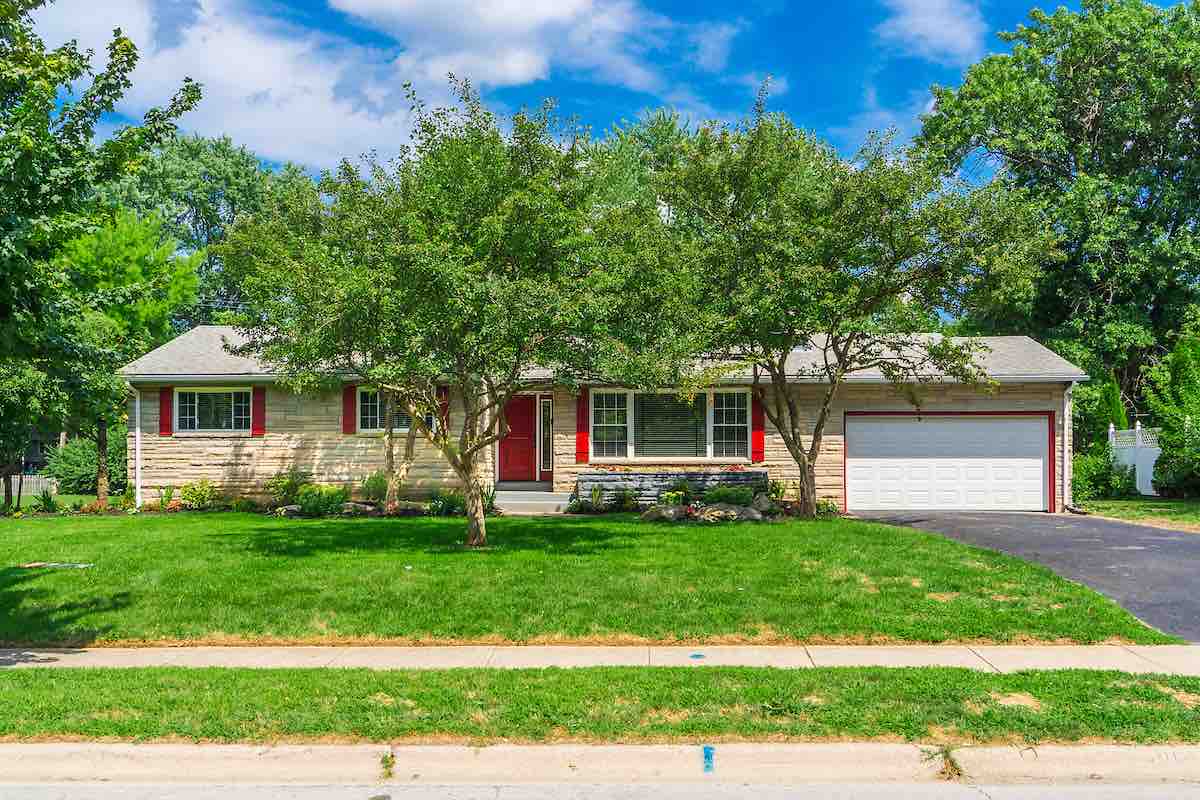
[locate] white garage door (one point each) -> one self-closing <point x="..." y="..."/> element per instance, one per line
<point x="959" y="463"/>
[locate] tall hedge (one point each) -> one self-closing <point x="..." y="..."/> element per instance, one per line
<point x="74" y="464"/>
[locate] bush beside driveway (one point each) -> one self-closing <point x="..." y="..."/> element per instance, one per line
<point x="243" y="578"/>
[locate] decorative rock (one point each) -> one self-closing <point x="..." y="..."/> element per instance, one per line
<point x="665" y="513"/>
<point x="763" y="504"/>
<point x="406" y="508"/>
<point x="288" y="511"/>
<point x="355" y="509"/>
<point x="724" y="512"/>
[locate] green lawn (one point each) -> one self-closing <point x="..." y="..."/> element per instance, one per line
<point x="1179" y="514"/>
<point x="242" y="577"/>
<point x="612" y="704"/>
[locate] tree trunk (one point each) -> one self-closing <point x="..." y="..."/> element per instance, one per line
<point x="808" y="490"/>
<point x="397" y="471"/>
<point x="8" y="495"/>
<point x="101" y="461"/>
<point x="473" y="493"/>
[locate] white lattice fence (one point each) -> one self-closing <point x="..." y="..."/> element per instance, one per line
<point x="1136" y="447"/>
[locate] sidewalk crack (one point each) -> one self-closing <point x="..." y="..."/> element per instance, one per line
<point x="812" y="662"/>
<point x="1153" y="664"/>
<point x="979" y="655"/>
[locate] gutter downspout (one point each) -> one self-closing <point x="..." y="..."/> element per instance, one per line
<point x="1066" y="445"/>
<point x="137" y="446"/>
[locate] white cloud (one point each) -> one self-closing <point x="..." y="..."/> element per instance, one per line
<point x="712" y="42"/>
<point x="298" y="93"/>
<point x="278" y="89"/>
<point x="945" y="31"/>
<point x="904" y="119"/>
<point x="512" y="42"/>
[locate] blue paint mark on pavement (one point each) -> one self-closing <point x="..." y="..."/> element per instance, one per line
<point x="708" y="751"/>
<point x="696" y="656"/>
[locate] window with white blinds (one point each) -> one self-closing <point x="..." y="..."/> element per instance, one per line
<point x="649" y="426"/>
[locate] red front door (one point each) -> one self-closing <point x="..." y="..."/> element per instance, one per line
<point x="518" y="450"/>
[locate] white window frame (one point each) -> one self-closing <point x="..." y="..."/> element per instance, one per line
<point x="629" y="423"/>
<point x="358" y="413"/>
<point x="177" y="430"/>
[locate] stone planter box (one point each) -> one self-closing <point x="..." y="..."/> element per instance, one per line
<point x="648" y="485"/>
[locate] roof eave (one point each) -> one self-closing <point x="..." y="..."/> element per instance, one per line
<point x="252" y="377"/>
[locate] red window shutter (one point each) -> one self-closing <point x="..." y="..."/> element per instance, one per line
<point x="258" y="411"/>
<point x="166" y="409"/>
<point x="758" y="437"/>
<point x="350" y="409"/>
<point x="443" y="397"/>
<point x="581" y="427"/>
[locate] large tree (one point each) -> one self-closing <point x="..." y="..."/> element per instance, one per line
<point x="472" y="259"/>
<point x="50" y="161"/>
<point x="131" y="257"/>
<point x="341" y="313"/>
<point x="199" y="186"/>
<point x="51" y="105"/>
<point x="1097" y="112"/>
<point x="780" y="244"/>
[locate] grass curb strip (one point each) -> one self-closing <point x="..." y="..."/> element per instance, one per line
<point x="935" y="706"/>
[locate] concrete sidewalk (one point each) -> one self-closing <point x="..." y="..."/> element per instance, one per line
<point x="1168" y="659"/>
<point x="759" y="763"/>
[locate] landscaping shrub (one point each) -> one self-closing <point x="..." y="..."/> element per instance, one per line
<point x="732" y="495"/>
<point x="1177" y="470"/>
<point x="374" y="487"/>
<point x="45" y="503"/>
<point x="245" y="505"/>
<point x="627" y="500"/>
<point x="94" y="507"/>
<point x="671" y="498"/>
<point x="828" y="508"/>
<point x="284" y="487"/>
<point x="685" y="491"/>
<point x="74" y="464"/>
<point x="198" y="496"/>
<point x="316" y="500"/>
<point x="447" y="504"/>
<point x="1173" y="394"/>
<point x="1094" y="475"/>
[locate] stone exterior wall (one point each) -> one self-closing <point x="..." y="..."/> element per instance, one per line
<point x="830" y="477"/>
<point x="306" y="432"/>
<point x="301" y="431"/>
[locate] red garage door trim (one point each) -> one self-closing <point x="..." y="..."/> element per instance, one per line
<point x="1051" y="466"/>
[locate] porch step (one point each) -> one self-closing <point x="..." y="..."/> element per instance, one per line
<point x="526" y="502"/>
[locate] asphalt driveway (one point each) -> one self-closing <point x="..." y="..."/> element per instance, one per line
<point x="1152" y="572"/>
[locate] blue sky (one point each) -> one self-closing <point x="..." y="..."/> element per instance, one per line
<point x="313" y="81"/>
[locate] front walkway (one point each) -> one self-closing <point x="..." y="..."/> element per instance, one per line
<point x="1169" y="659"/>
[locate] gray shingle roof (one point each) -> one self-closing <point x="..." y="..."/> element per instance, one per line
<point x="202" y="354"/>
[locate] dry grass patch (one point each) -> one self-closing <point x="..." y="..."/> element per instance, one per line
<point x="1187" y="699"/>
<point x="1017" y="700"/>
